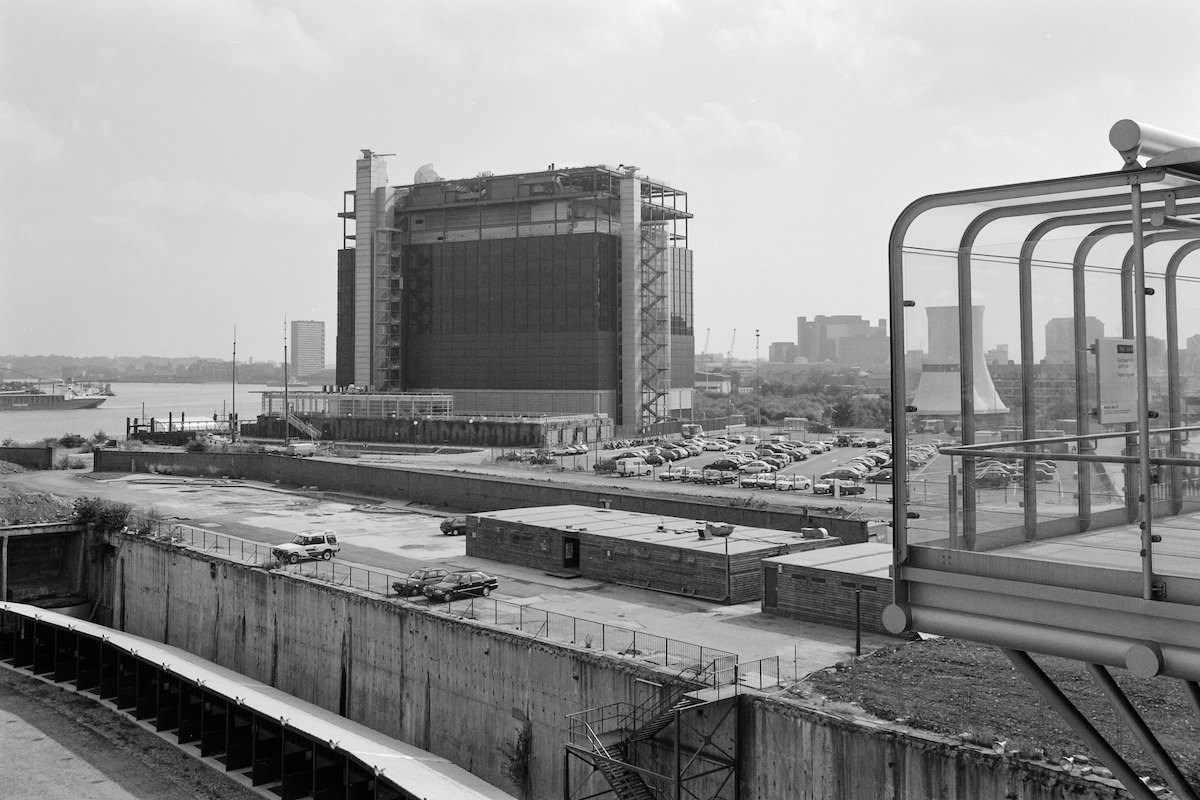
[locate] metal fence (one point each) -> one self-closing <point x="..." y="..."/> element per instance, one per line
<point x="537" y="622"/>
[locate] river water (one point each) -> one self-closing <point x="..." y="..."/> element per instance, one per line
<point x="136" y="400"/>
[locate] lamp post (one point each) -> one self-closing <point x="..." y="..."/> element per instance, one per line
<point x="757" y="382"/>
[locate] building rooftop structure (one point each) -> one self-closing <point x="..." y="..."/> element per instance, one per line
<point x="1087" y="546"/>
<point x="635" y="527"/>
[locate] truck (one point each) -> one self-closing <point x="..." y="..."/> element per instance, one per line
<point x="692" y="430"/>
<point x="633" y="466"/>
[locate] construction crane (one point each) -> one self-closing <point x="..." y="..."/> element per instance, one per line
<point x="732" y="339"/>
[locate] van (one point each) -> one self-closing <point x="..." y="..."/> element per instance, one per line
<point x="300" y="449"/>
<point x="633" y="466"/>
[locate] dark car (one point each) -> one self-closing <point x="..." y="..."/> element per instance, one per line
<point x="416" y="581"/>
<point x="460" y="584"/>
<point x="454" y="526"/>
<point x="883" y="476"/>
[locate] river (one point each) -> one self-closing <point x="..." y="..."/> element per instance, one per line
<point x="137" y="400"/>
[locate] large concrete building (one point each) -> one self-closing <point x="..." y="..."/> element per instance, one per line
<point x="564" y="291"/>
<point x="308" y="347"/>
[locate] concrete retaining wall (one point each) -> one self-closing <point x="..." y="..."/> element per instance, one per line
<point x="446" y="685"/>
<point x="465" y="691"/>
<point x="803" y="754"/>
<point x="458" y="490"/>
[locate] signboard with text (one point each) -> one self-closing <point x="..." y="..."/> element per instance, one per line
<point x="1116" y="368"/>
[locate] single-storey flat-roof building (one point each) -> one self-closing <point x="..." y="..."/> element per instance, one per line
<point x="820" y="586"/>
<point x="667" y="554"/>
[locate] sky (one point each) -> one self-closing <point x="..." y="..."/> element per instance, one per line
<point x="171" y="171"/>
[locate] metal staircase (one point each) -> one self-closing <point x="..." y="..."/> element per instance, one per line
<point x="613" y="734"/>
<point x="655" y="324"/>
<point x="663" y="718"/>
<point x="625" y="782"/>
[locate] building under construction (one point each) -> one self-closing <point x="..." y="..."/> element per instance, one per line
<point x="561" y="291"/>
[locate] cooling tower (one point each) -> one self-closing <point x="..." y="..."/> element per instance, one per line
<point x="938" y="391"/>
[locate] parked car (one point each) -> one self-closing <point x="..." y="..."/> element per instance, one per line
<point x="792" y="483"/>
<point x="460" y="584"/>
<point x="725" y="464"/>
<point x="842" y="473"/>
<point x="993" y="480"/>
<point x="454" y="526"/>
<point x="720" y="476"/>
<point x="690" y="475"/>
<point x="716" y="446"/>
<point x="883" y="476"/>
<point x="755" y="467"/>
<point x="417" y="580"/>
<point x="827" y="486"/>
<point x="307" y="545"/>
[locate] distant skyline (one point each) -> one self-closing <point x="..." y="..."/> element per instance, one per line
<point x="170" y="170"/>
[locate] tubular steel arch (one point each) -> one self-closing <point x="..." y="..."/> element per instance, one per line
<point x="1097" y="582"/>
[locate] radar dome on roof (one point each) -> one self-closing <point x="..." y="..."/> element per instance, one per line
<point x="426" y="174"/>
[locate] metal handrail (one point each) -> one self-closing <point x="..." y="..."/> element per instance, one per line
<point x="631" y="642"/>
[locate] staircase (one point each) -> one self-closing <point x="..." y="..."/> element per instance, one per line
<point x="663" y="718"/>
<point x="626" y="783"/>
<point x="302" y="426"/>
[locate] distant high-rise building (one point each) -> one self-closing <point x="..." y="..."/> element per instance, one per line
<point x="782" y="353"/>
<point x="842" y="339"/>
<point x="997" y="355"/>
<point x="307" y="355"/>
<point x="1060" y="338"/>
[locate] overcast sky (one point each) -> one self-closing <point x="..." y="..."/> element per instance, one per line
<point x="171" y="170"/>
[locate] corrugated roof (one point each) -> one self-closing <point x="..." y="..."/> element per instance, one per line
<point x="417" y="771"/>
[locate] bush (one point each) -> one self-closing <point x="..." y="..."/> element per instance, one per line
<point x="606" y="466"/>
<point x="196" y="446"/>
<point x="71" y="440"/>
<point x="101" y="515"/>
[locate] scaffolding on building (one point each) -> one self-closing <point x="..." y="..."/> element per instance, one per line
<point x="388" y="283"/>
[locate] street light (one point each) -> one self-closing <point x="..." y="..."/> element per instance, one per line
<point x="757" y="382"/>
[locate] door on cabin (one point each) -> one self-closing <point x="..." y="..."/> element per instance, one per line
<point x="570" y="553"/>
<point x="770" y="587"/>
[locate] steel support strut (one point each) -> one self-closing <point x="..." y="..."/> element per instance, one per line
<point x="1126" y="712"/>
<point x="1079" y="724"/>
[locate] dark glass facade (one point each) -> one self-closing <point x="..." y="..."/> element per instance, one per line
<point x="539" y="312"/>
<point x="683" y="335"/>
<point x="344" y="343"/>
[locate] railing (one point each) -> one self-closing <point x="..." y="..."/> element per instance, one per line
<point x="535" y="622"/>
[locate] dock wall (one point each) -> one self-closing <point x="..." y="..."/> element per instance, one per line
<point x="466" y="691"/>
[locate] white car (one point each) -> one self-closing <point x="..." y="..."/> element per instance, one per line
<point x="306" y="545"/>
<point x="715" y="446"/>
<point x="793" y="483"/>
